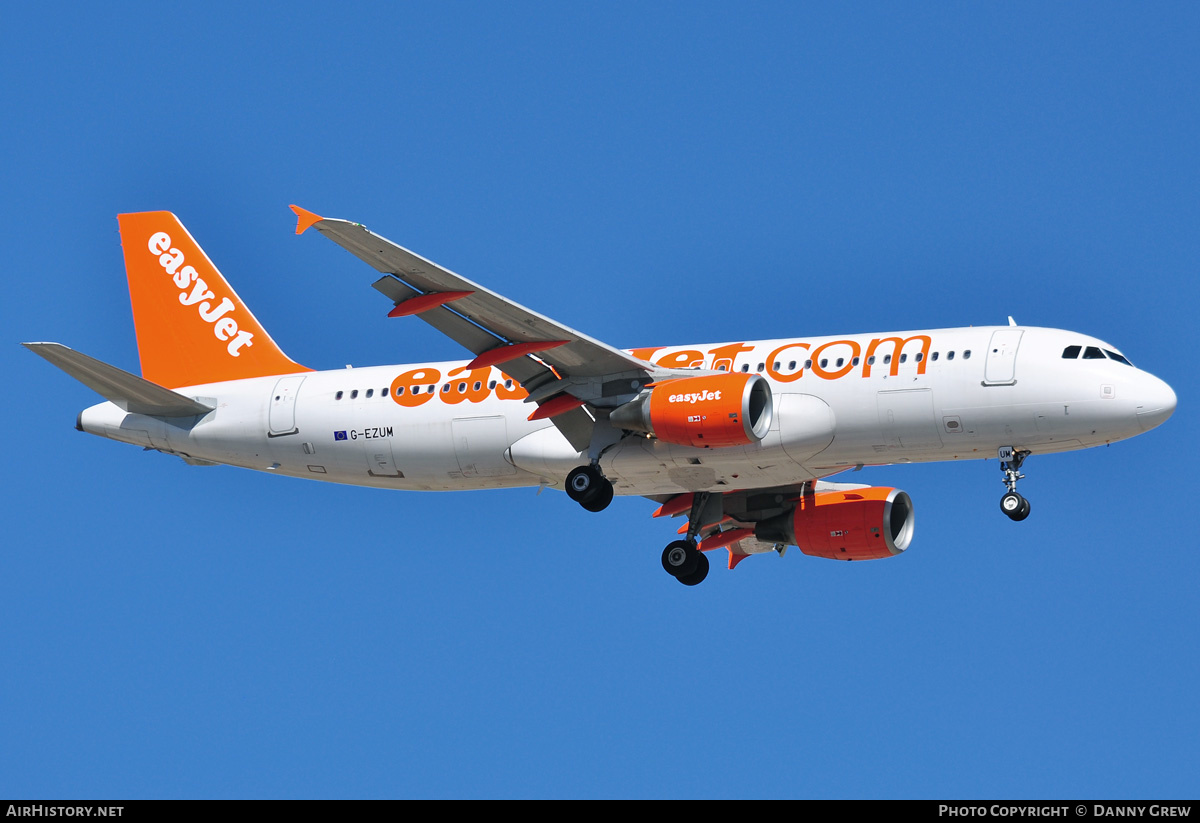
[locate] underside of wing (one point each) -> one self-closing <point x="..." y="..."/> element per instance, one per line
<point x="731" y="520"/>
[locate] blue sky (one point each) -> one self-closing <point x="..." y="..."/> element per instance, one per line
<point x="648" y="174"/>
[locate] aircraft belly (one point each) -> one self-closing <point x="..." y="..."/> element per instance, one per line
<point x="646" y="466"/>
<point x="479" y="446"/>
<point x="907" y="421"/>
<point x="806" y="425"/>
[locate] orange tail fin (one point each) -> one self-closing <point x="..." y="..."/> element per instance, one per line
<point x="191" y="326"/>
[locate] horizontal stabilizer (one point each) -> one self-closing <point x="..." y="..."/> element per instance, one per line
<point x="132" y="393"/>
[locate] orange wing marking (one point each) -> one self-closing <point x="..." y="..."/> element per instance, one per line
<point x="561" y="404"/>
<point x="677" y="504"/>
<point x="502" y="354"/>
<point x="723" y="539"/>
<point x="305" y="219"/>
<point x="425" y="302"/>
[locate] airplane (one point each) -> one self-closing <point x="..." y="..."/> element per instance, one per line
<point x="737" y="438"/>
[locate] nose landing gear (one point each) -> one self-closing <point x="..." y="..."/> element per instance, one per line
<point x="1013" y="504"/>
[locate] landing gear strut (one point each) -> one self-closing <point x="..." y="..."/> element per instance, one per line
<point x="682" y="559"/>
<point x="1013" y="504"/>
<point x="589" y="488"/>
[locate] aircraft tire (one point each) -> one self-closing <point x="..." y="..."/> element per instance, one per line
<point x="582" y="482"/>
<point x="1011" y="504"/>
<point x="1022" y="512"/>
<point x="600" y="497"/>
<point x="680" y="558"/>
<point x="701" y="572"/>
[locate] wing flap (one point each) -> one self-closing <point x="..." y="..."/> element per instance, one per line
<point x="575" y="425"/>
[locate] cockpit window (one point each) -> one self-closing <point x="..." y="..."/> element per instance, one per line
<point x="1093" y="353"/>
<point x="1071" y="352"/>
<point x="1112" y="355"/>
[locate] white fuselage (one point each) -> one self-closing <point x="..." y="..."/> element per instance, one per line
<point x="839" y="402"/>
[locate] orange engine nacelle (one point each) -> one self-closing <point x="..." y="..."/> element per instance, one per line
<point x="706" y="412"/>
<point x="853" y="524"/>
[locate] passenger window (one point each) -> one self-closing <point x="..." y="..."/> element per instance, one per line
<point x="370" y="392"/>
<point x="920" y="356"/>
<point x="950" y="356"/>
<point x="854" y="362"/>
<point x="824" y="362"/>
<point x="840" y="361"/>
<point x="354" y="394"/>
<point x="792" y="366"/>
<point x="887" y="358"/>
<point x="508" y="384"/>
<point x="808" y="364"/>
<point x="1071" y="352"/>
<point x="761" y="366"/>
<point x="721" y="367"/>
<point x="338" y="396"/>
<point x="399" y="390"/>
<point x="1092" y="353"/>
<point x="477" y="385"/>
<point x="933" y="356"/>
<point x="445" y="388"/>
<point x="871" y="360"/>
<point x="430" y="389"/>
<point x="491" y="384"/>
<point x="416" y="389"/>
<point x="383" y="392"/>
<point x="776" y="365"/>
<point x="745" y="367"/>
<point x="967" y="354"/>
<point x="462" y="387"/>
<point x="903" y="358"/>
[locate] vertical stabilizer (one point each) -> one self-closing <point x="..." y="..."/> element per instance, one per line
<point x="191" y="326"/>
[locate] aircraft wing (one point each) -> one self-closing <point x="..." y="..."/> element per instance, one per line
<point x="497" y="330"/>
<point x="730" y="523"/>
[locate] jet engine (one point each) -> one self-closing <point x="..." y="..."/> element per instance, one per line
<point x="849" y="524"/>
<point x="706" y="412"/>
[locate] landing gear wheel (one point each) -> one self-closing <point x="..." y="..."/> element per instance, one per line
<point x="1015" y="506"/>
<point x="681" y="559"/>
<point x="589" y="488"/>
<point x="581" y="482"/>
<point x="699" y="574"/>
<point x="1024" y="512"/>
<point x="602" y="495"/>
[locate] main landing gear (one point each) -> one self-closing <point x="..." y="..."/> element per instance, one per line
<point x="1013" y="504"/>
<point x="589" y="488"/>
<point x="685" y="562"/>
<point x="681" y="558"/>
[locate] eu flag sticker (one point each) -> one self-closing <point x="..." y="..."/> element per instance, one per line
<point x="339" y="435"/>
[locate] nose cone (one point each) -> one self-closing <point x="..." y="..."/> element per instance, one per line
<point x="1156" y="402"/>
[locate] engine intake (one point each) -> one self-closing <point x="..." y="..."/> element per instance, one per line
<point x="707" y="412"/>
<point x="859" y="524"/>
